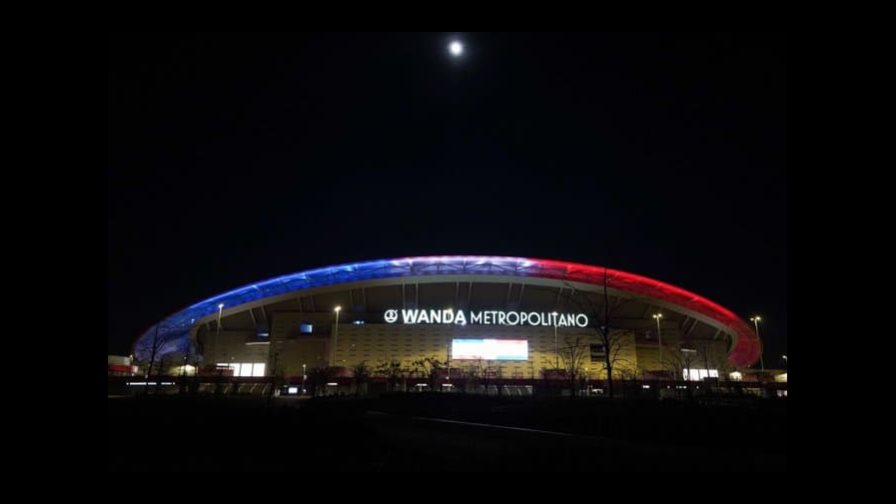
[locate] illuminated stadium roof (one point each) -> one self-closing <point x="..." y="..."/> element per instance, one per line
<point x="176" y="328"/>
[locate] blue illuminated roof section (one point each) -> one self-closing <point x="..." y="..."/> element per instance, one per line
<point x="176" y="328"/>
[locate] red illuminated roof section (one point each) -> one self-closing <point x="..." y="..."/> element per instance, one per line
<point x="747" y="347"/>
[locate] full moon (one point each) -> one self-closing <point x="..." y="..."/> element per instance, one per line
<point x="456" y="48"/>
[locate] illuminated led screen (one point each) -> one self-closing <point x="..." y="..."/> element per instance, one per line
<point x="489" y="349"/>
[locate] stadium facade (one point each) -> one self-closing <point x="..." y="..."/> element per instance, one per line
<point x="509" y="317"/>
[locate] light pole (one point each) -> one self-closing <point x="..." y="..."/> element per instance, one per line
<point x="220" y="311"/>
<point x="304" y="376"/>
<point x="556" y="350"/>
<point x="336" y="334"/>
<point x="448" y="356"/>
<point x="755" y="320"/>
<point x="659" y="335"/>
<point x="785" y="361"/>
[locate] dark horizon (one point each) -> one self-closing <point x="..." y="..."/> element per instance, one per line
<point x="235" y="158"/>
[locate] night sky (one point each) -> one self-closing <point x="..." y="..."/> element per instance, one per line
<point x="235" y="158"/>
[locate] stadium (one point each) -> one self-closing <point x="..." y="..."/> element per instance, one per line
<point x="452" y="323"/>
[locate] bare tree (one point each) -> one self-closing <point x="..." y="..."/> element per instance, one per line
<point x="484" y="373"/>
<point x="716" y="357"/>
<point x="675" y="362"/>
<point x="682" y="362"/>
<point x="191" y="358"/>
<point x="428" y="368"/>
<point x="615" y="344"/>
<point x="276" y="374"/>
<point x="612" y="341"/>
<point x="361" y="373"/>
<point x="392" y="370"/>
<point x="608" y="341"/>
<point x="473" y="375"/>
<point x="162" y="372"/>
<point x="573" y="357"/>
<point x="148" y="351"/>
<point x="318" y="377"/>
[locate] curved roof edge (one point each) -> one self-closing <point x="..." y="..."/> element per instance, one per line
<point x="745" y="352"/>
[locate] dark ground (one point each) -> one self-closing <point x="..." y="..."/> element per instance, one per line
<point x="424" y="432"/>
